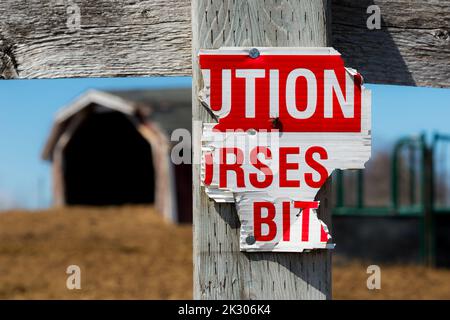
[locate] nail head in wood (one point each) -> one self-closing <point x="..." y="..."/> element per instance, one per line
<point x="253" y="53"/>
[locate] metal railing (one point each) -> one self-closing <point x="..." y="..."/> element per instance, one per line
<point x="414" y="158"/>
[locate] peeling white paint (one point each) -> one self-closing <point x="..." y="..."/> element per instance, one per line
<point x="345" y="150"/>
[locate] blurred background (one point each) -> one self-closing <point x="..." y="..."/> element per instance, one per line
<point x="86" y="179"/>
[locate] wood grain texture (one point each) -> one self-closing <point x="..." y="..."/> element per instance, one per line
<point x="411" y="48"/>
<point x="116" y="38"/>
<point x="221" y="271"/>
<point x="153" y="37"/>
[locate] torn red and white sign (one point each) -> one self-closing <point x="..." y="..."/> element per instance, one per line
<point x="286" y="118"/>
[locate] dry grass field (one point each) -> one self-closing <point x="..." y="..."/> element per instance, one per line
<point x="123" y="253"/>
<point x="130" y="253"/>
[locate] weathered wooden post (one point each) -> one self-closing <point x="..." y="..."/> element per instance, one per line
<point x="221" y="271"/>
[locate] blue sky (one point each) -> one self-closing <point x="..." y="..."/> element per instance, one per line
<point x="27" y="111"/>
<point x="28" y="108"/>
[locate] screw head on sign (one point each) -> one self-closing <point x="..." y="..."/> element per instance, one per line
<point x="250" y="240"/>
<point x="251" y="132"/>
<point x="253" y="53"/>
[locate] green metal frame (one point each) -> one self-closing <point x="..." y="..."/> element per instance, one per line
<point x="422" y="207"/>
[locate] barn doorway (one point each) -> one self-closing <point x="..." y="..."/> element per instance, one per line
<point x="108" y="162"/>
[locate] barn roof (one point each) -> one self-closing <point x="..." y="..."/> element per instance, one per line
<point x="168" y="108"/>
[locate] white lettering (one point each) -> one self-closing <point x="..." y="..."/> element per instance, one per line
<point x="250" y="76"/>
<point x="332" y="85"/>
<point x="311" y="95"/>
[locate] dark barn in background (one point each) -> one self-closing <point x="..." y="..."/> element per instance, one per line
<point x="114" y="148"/>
